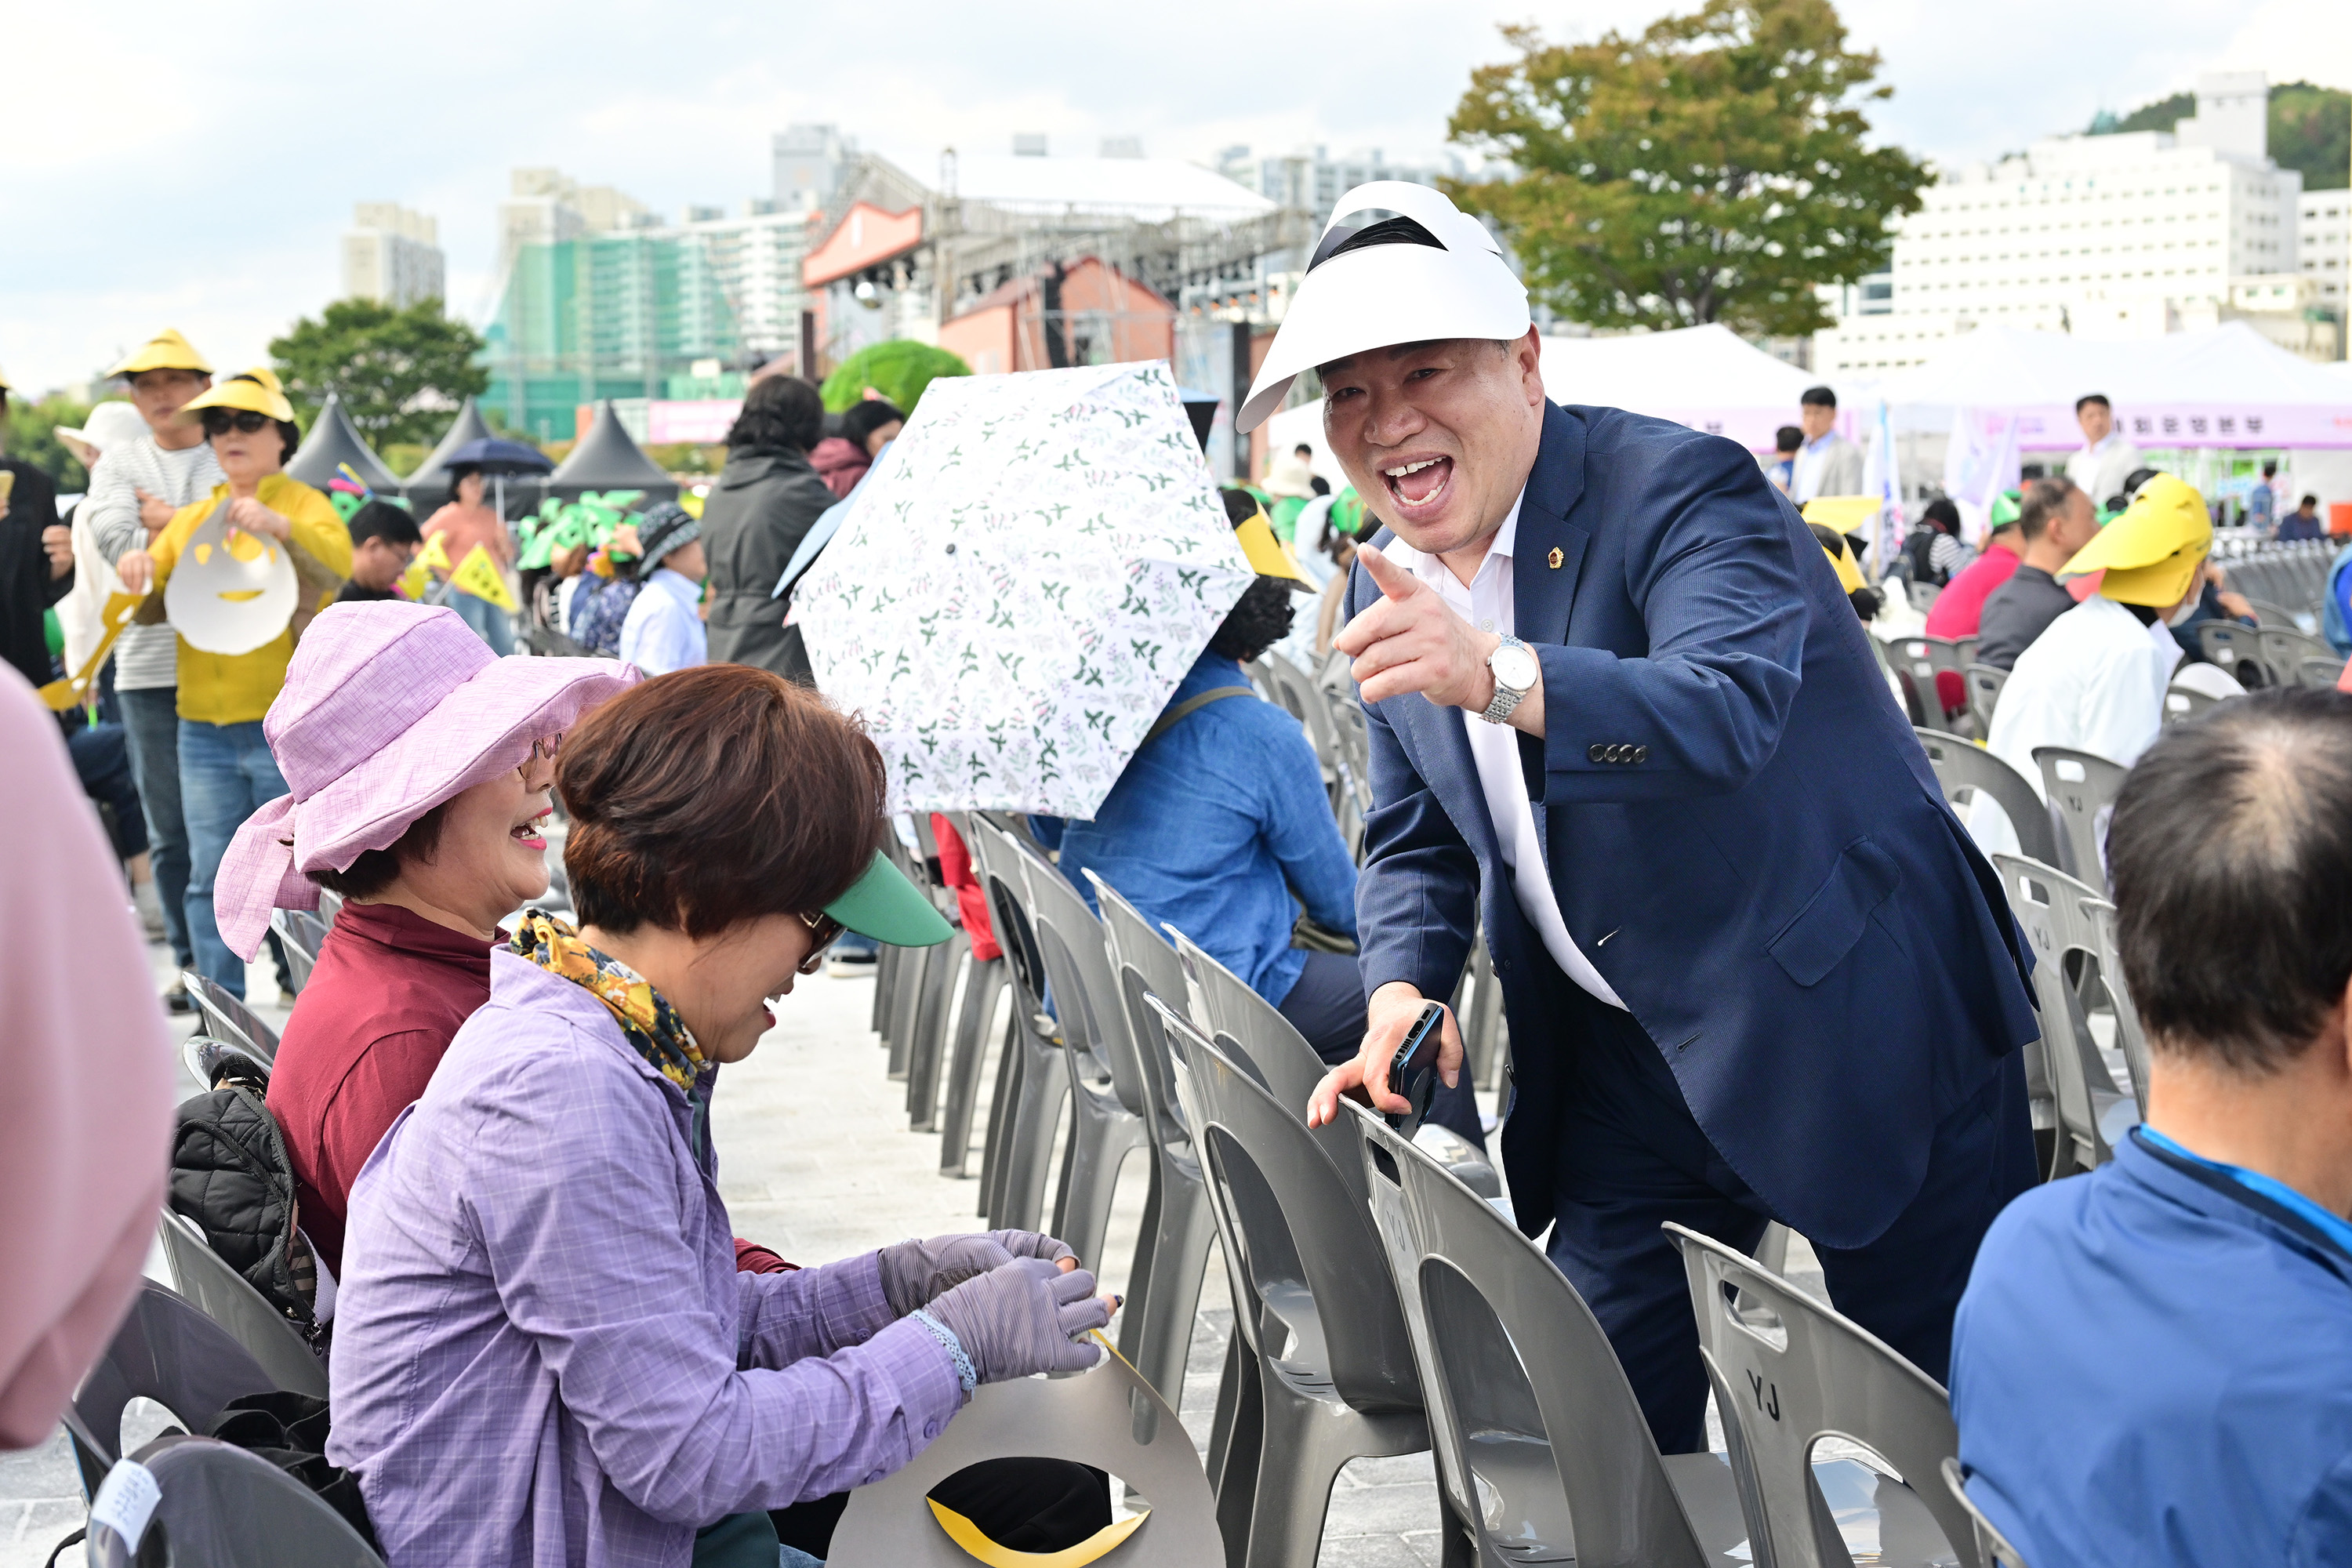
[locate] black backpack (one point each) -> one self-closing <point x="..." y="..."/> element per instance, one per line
<point x="231" y="1176"/>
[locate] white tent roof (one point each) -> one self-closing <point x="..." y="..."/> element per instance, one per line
<point x="1705" y="377"/>
<point x="2226" y="386"/>
<point x="1149" y="189"/>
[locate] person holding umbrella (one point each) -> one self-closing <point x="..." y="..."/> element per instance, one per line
<point x="1618" y="706"/>
<point x="466" y="522"/>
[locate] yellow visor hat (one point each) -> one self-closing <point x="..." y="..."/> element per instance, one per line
<point x="255" y="391"/>
<point x="167" y="350"/>
<point x="1265" y="553"/>
<point x="2151" y="552"/>
<point x="1849" y="575"/>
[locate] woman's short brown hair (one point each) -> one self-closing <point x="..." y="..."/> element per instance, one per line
<point x="715" y="796"/>
<point x="377" y="869"/>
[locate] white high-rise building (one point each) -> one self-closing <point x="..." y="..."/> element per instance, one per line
<point x="756" y="259"/>
<point x="393" y="256"/>
<point x="2323" y="247"/>
<point x="1312" y="180"/>
<point x="2107" y="236"/>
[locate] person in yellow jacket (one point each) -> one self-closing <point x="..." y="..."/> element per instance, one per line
<point x="226" y="769"/>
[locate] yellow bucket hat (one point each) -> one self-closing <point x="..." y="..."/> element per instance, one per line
<point x="1849" y="575"/>
<point x="1265" y="553"/>
<point x="255" y="391"/>
<point x="167" y="350"/>
<point x="2152" y="549"/>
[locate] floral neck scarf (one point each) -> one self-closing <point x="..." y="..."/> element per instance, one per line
<point x="646" y="1016"/>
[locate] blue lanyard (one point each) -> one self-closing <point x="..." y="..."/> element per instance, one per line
<point x="2332" y="1226"/>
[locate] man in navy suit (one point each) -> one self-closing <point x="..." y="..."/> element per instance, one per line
<point x="1620" y="709"/>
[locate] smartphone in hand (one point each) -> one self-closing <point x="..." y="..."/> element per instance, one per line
<point x="1413" y="1071"/>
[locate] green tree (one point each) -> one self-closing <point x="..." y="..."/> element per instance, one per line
<point x="2310" y="129"/>
<point x="1715" y="168"/>
<point x="399" y="373"/>
<point x="31" y="437"/>
<point x="899" y="370"/>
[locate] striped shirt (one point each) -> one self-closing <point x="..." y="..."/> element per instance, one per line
<point x="146" y="657"/>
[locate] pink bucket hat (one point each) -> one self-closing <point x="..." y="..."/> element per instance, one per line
<point x="389" y="709"/>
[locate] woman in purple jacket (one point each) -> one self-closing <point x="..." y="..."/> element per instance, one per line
<point x="544" y="1354"/>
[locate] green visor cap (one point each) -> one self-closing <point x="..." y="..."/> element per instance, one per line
<point x="884" y="905"/>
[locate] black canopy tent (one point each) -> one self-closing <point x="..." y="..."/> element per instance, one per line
<point x="428" y="487"/>
<point x="607" y="459"/>
<point x="331" y="443"/>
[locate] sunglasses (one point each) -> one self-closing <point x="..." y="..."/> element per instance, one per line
<point x="218" y="421"/>
<point x="541" y="750"/>
<point x="824" y="932"/>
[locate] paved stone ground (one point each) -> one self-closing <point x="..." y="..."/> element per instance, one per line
<point x="817" y="1163"/>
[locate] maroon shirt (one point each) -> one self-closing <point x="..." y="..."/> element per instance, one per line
<point x="386" y="996"/>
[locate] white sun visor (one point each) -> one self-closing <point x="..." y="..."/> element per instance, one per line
<point x="1398" y="263"/>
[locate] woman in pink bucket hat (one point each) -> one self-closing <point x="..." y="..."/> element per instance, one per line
<point x="420" y="765"/>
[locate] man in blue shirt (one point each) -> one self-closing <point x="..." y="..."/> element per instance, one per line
<point x="2153" y="1362"/>
<point x="1219" y="827"/>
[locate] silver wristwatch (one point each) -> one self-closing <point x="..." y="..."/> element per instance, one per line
<point x="1516" y="674"/>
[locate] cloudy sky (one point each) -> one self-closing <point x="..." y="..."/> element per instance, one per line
<point x="194" y="165"/>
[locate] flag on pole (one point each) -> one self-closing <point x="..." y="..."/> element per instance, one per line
<point x="1981" y="463"/>
<point x="413" y="582"/>
<point x="480" y="576"/>
<point x="434" y="553"/>
<point x="1882" y="480"/>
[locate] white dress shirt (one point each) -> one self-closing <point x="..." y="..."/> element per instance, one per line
<point x="1486" y="604"/>
<point x="2100" y="472"/>
<point x="1805" y="474"/>
<point x="2094" y="682"/>
<point x="664" y="630"/>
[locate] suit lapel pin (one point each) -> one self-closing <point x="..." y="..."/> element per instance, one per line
<point x="1553" y="559"/>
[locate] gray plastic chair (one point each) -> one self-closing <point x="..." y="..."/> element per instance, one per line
<point x="204" y="1056"/>
<point x="1320" y="1371"/>
<point x="1913" y="664"/>
<point x="1031" y="1077"/>
<point x="1963" y="767"/>
<point x="2284" y="647"/>
<point x="2129" y="1037"/>
<point x="2185" y="702"/>
<point x="299" y="933"/>
<point x="2237" y="648"/>
<point x="1106" y="1105"/>
<point x="2322" y="673"/>
<point x="1482" y="1021"/>
<point x="1992" y="1546"/>
<point x="910" y="975"/>
<point x="166" y="1351"/>
<point x="1985" y="681"/>
<point x="1264" y="1044"/>
<point x="229" y="1020"/>
<point x="2081" y="788"/>
<point x="1172" y="1255"/>
<point x="1952" y="657"/>
<point x="984" y="982"/>
<point x="216" y="1506"/>
<point x="2091" y="1113"/>
<point x="1789" y="1372"/>
<point x="1923" y="595"/>
<point x="1109" y="1417"/>
<point x="926" y="1038"/>
<point x="203" y="1277"/>
<point x="1543" y="1453"/>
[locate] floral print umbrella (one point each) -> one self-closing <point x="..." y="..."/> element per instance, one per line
<point x="1032" y="567"/>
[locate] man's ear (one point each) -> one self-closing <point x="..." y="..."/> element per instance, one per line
<point x="1529" y="351"/>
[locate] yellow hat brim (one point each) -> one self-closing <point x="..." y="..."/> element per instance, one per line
<point x="2166" y="520"/>
<point x="250" y="396"/>
<point x="2159" y="586"/>
<point x="1844" y="514"/>
<point x="1265" y="553"/>
<point x="164" y="350"/>
<point x="1849" y="575"/>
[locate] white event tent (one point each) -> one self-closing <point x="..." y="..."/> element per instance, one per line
<point x="2226" y="386"/>
<point x="1705" y="377"/>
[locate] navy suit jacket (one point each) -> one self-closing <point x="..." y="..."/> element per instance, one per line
<point x="1776" y="887"/>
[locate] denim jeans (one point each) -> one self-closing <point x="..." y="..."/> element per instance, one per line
<point x="226" y="774"/>
<point x="151" y="726"/>
<point x="492" y="624"/>
<point x="101" y="759"/>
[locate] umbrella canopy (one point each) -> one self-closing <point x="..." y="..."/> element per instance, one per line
<point x="493" y="456"/>
<point x="606" y="459"/>
<point x="1036" y="562"/>
<point x="332" y="445"/>
<point x="430" y="482"/>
